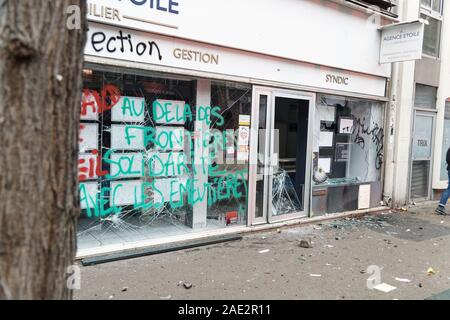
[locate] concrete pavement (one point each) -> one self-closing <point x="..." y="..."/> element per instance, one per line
<point x="401" y="245"/>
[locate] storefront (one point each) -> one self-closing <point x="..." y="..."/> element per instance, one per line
<point x="186" y="134"/>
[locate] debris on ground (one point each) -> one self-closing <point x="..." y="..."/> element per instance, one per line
<point x="306" y="243"/>
<point x="166" y="298"/>
<point x="315" y="275"/>
<point x="402" y="280"/>
<point x="264" y="251"/>
<point x="431" y="271"/>
<point x="384" y="287"/>
<point x="187" y="285"/>
<point x="124" y="289"/>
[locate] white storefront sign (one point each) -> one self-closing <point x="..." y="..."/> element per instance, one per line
<point x="402" y="42"/>
<point x="130" y="45"/>
<point x="311" y="31"/>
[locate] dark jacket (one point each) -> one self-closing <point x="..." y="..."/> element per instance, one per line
<point x="448" y="159"/>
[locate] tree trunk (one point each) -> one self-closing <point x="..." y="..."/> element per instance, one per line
<point x="40" y="89"/>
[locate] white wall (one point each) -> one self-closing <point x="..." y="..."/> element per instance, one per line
<point x="401" y="107"/>
<point x="230" y="62"/>
<point x="319" y="32"/>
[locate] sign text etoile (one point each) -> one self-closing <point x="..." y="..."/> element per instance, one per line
<point x="171" y="6"/>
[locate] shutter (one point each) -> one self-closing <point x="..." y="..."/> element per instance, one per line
<point x="420" y="179"/>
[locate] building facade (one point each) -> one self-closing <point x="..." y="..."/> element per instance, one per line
<point x="212" y="117"/>
<point x="419" y="111"/>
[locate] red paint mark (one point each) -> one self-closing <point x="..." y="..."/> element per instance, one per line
<point x="82" y="127"/>
<point x="82" y="170"/>
<point x="92" y="169"/>
<point x="104" y="101"/>
<point x="99" y="171"/>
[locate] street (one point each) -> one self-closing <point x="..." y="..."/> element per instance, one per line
<point x="410" y="249"/>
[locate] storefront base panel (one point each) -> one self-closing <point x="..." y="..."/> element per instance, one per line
<point x="205" y="234"/>
<point x="345" y="198"/>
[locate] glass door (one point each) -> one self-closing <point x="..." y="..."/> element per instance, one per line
<point x="422" y="155"/>
<point x="280" y="165"/>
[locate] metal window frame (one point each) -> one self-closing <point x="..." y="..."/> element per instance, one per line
<point x="430" y="11"/>
<point x="440" y="20"/>
<point x="272" y="94"/>
<point x="433" y="114"/>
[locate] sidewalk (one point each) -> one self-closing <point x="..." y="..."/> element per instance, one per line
<point x="272" y="265"/>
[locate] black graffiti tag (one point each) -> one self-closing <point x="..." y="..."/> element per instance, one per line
<point x="375" y="133"/>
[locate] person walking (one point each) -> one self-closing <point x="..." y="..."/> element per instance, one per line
<point x="444" y="198"/>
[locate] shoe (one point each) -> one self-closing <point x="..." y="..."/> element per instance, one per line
<point x="440" y="211"/>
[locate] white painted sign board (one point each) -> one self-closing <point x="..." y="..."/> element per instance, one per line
<point x="129" y="109"/>
<point x="163" y="51"/>
<point x="342" y="38"/>
<point x="402" y="42"/>
<point x="88" y="137"/>
<point x="120" y="133"/>
<point x="127" y="165"/>
<point x="125" y="193"/>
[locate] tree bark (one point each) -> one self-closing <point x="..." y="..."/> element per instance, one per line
<point x="41" y="64"/>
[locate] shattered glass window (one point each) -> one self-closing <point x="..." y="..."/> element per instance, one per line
<point x="149" y="165"/>
<point x="348" y="140"/>
<point x="348" y="147"/>
<point x="229" y="152"/>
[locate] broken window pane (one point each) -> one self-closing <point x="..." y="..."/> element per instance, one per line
<point x="140" y="176"/>
<point x="348" y="153"/>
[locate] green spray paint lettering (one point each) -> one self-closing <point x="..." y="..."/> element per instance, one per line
<point x="145" y="202"/>
<point x="164" y="140"/>
<point x="86" y="200"/>
<point x="124" y="165"/>
<point x="173" y="164"/>
<point x="210" y="115"/>
<point x="98" y="204"/>
<point x="168" y="113"/>
<point x="129" y="107"/>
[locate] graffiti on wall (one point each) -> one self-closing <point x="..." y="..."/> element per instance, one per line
<point x="375" y="133"/>
<point x="165" y="157"/>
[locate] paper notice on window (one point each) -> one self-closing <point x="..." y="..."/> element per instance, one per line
<point x="88" y="140"/>
<point x="243" y="153"/>
<point x="364" y="197"/>
<point x="325" y="164"/>
<point x="244" y="120"/>
<point x="244" y="136"/>
<point x="326" y="139"/>
<point x="346" y="126"/>
<point x="326" y="113"/>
